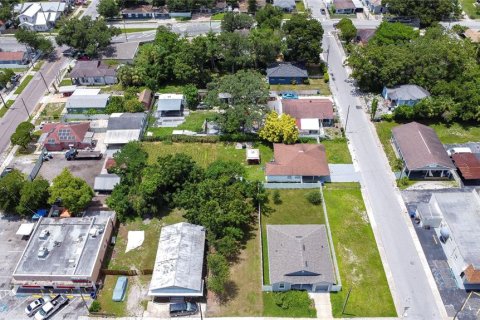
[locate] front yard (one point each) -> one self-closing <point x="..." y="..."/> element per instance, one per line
<point x="139" y="259"/>
<point x="470" y="8"/>
<point x="315" y="84"/>
<point x="337" y="150"/>
<point x="358" y="258"/>
<point x="206" y="153"/>
<point x="51" y="112"/>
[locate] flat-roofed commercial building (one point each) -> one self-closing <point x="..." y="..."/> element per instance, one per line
<point x="65" y="253"/>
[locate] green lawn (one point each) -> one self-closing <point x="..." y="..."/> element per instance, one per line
<point x="358" y="258"/>
<point x="218" y="16"/>
<point x="3" y="110"/>
<point x="337" y="150"/>
<point x="132" y="30"/>
<point x="170" y="88"/>
<point x="206" y="153"/>
<point x="193" y="122"/>
<point x="299" y="305"/>
<point x="470" y="8"/>
<point x="38" y="65"/>
<point x="300" y="6"/>
<point x="453" y="133"/>
<point x="294" y="209"/>
<point x="66" y="82"/>
<point x="315" y="84"/>
<point x="24" y="83"/>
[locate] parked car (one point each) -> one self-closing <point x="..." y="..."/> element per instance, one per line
<point x="35" y="305"/>
<point x="51" y="307"/>
<point x="15" y="78"/>
<point x="120" y="289"/>
<point x="6" y="171"/>
<point x="322" y="11"/>
<point x="183" y="309"/>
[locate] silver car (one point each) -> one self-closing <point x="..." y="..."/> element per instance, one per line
<point x="34" y="306"/>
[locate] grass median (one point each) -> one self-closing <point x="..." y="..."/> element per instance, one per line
<point x="24" y="84"/>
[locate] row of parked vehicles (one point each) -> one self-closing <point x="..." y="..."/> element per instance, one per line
<point x="43" y="308"/>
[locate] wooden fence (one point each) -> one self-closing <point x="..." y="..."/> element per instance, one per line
<point x="129" y="273"/>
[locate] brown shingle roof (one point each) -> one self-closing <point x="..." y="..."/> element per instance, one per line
<point x="468" y="165"/>
<point x="145" y="97"/>
<point x="308" y="108"/>
<point x="298" y="160"/>
<point x="14" y="55"/>
<point x="472" y="275"/>
<point x="420" y="147"/>
<point x="343" y="4"/>
<point x="473" y="35"/>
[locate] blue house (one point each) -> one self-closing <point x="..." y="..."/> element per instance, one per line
<point x="286" y="73"/>
<point x="407" y="94"/>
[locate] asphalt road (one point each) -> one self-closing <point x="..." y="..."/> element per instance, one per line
<point x="415" y="296"/>
<point x="31" y="95"/>
<point x="92" y="10"/>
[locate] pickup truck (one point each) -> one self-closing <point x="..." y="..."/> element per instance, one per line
<point x="51" y="307"/>
<point x="74" y="154"/>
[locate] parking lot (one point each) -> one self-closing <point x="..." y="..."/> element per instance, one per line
<point x="74" y="308"/>
<point x="85" y="169"/>
<point x="452" y="296"/>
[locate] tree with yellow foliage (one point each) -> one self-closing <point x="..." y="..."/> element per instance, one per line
<point x="279" y="129"/>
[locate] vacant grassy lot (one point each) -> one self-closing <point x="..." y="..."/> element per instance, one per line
<point x="300" y="6"/>
<point x="132" y="30"/>
<point x="193" y="122"/>
<point x="358" y="258"/>
<point x="206" y="153"/>
<point x="337" y="151"/>
<point x="315" y="84"/>
<point x="24" y="83"/>
<point x="293" y="209"/>
<point x="245" y="290"/>
<point x="301" y="306"/>
<point x="470" y="9"/>
<point x="51" y="112"/>
<point x="139" y="258"/>
<point x="453" y="133"/>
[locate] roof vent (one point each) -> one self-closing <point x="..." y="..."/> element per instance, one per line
<point x="42" y="252"/>
<point x="44" y="234"/>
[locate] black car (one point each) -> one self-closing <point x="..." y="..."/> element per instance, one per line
<point x="183" y="309"/>
<point x="15" y="78"/>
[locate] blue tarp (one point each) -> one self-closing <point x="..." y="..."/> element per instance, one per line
<point x="40" y="213"/>
<point x="120" y="288"/>
<point x="289" y="95"/>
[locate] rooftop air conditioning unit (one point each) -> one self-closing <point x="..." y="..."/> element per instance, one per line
<point x="42" y="252"/>
<point x="44" y="234"/>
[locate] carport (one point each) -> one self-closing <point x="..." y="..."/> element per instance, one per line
<point x="25" y="229"/>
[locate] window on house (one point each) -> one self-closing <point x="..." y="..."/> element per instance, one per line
<point x="281" y="286"/>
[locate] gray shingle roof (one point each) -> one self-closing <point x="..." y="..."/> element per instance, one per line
<point x="407" y="92"/>
<point x="126" y="121"/>
<point x="287" y="69"/>
<point x="92" y="68"/>
<point x="420" y="147"/>
<point x="284" y="4"/>
<point x="299" y="254"/>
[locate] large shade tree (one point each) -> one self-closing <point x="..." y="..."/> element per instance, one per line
<point x="303" y="37"/>
<point x="75" y="194"/>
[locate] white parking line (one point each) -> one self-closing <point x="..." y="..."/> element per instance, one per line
<point x="18" y="305"/>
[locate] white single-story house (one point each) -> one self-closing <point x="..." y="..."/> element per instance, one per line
<point x="170" y="105"/>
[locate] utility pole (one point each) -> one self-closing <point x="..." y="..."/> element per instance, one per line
<point x="46" y="85"/>
<point x="28" y="113"/>
<point x="3" y="101"/>
<point x="346" y="121"/>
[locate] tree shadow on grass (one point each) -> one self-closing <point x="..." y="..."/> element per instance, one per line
<point x="231" y="291"/>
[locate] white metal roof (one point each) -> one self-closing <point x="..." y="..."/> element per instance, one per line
<point x="86" y="92"/>
<point x="309" y="124"/>
<point x="106" y="182"/>
<point x="32" y="10"/>
<point x="25" y="229"/>
<point x="179" y="262"/>
<point x="65" y="89"/>
<point x="122" y="136"/>
<point x="253" y="154"/>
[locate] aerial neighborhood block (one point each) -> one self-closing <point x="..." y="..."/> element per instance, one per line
<point x="299" y="258"/>
<point x="286" y="73"/>
<point x="298" y="163"/>
<point x="65" y="253"/>
<point x="93" y="72"/>
<point x="178" y="269"/>
<point x="421" y="151"/>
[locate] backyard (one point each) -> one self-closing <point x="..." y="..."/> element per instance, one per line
<point x="358" y="258"/>
<point x="206" y="153"/>
<point x="139" y="259"/>
<point x="315" y="84"/>
<point x="193" y="122"/>
<point x="447" y="133"/>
